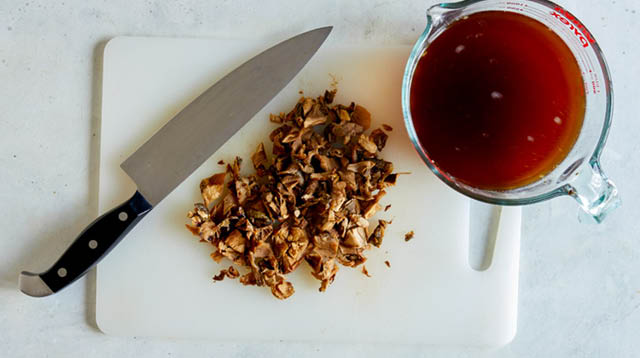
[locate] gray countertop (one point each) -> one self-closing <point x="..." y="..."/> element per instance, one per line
<point x="579" y="282"/>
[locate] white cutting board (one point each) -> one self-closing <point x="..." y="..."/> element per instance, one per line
<point x="157" y="282"/>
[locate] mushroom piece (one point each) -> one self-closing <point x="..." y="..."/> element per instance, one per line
<point x="211" y="188"/>
<point x="361" y="116"/>
<point x="378" y="233"/>
<point x="259" y="160"/>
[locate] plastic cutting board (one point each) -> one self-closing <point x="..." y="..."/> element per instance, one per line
<point x="157" y="282"/>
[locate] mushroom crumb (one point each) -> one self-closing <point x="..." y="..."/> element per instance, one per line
<point x="309" y="201"/>
<point x="408" y="236"/>
<point x="387" y="127"/>
<point x="364" y="271"/>
<point x="388" y="264"/>
<point x="231" y="273"/>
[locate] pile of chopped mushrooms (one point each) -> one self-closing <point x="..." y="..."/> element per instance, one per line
<point x="311" y="202"/>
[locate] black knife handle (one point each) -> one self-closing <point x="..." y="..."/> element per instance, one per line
<point x="95" y="242"/>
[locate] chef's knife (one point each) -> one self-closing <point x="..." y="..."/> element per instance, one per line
<point x="178" y="149"/>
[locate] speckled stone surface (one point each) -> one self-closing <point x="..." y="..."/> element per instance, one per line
<point x="579" y="283"/>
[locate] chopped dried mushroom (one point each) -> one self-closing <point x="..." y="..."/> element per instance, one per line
<point x="310" y="203"/>
<point x="378" y="233"/>
<point x="408" y="236"/>
<point x="211" y="188"/>
<point x="231" y="273"/>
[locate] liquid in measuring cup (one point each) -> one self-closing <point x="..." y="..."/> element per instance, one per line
<point x="497" y="100"/>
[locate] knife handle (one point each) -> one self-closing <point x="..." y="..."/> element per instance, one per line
<point x="100" y="237"/>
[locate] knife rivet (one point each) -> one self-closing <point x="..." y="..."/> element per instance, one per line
<point x="123" y="216"/>
<point x="93" y="244"/>
<point x="62" y="272"/>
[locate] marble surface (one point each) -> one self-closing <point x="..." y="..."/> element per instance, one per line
<point x="579" y="282"/>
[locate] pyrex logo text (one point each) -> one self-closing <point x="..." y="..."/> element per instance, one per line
<point x="574" y="25"/>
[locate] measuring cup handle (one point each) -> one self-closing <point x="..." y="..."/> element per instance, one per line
<point x="592" y="189"/>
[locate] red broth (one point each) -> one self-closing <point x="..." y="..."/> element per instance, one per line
<point x="497" y="100"/>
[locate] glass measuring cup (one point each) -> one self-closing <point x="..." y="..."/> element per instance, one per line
<point x="579" y="175"/>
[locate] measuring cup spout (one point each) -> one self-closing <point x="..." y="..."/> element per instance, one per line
<point x="441" y="15"/>
<point x="592" y="189"/>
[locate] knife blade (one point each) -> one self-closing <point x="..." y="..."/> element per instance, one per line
<point x="177" y="150"/>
